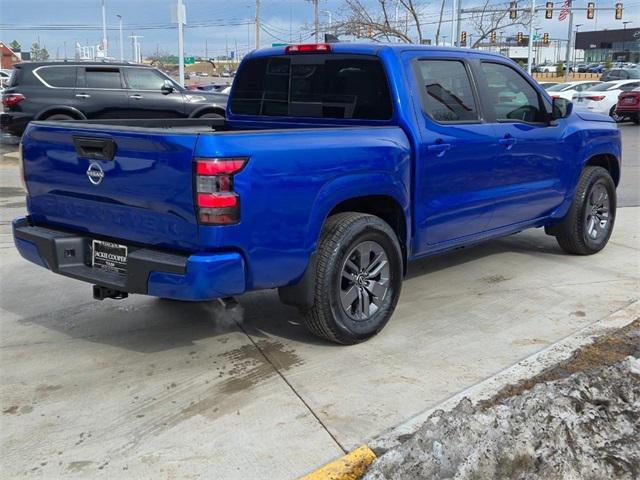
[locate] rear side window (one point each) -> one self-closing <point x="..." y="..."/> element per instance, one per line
<point x="446" y="91"/>
<point x="627" y="87"/>
<point x="101" y="77"/>
<point x="510" y="96"/>
<point x="144" y="79"/>
<point x="313" y="86"/>
<point x="58" y="76"/>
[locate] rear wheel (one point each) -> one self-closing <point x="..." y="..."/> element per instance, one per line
<point x="358" y="278"/>
<point x="211" y="115"/>
<point x="589" y="223"/>
<point x="59" y="116"/>
<point x="613" y="114"/>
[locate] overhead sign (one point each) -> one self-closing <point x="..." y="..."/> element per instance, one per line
<point x="189" y="60"/>
<point x="279" y="44"/>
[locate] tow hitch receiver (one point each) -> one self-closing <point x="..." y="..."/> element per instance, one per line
<point x="100" y="293"/>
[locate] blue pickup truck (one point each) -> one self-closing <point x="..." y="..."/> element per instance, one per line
<point x="337" y="165"/>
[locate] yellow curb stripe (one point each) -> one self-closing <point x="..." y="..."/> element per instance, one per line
<point x="350" y="467"/>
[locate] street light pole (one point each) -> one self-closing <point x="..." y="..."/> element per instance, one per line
<point x="180" y="18"/>
<point x="121" y="38"/>
<point x="104" y="29"/>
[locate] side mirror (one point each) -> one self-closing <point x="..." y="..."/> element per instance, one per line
<point x="167" y="87"/>
<point x="562" y="108"/>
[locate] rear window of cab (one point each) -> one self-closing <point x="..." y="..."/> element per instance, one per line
<point x="329" y="86"/>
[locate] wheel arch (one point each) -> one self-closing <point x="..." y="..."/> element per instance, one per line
<point x="607" y="161"/>
<point x="60" y="109"/>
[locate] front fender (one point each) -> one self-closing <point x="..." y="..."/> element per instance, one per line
<point x="352" y="186"/>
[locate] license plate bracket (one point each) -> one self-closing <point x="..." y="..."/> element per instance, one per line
<point x="108" y="256"/>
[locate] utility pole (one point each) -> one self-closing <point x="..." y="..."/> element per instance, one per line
<point x="257" y="23"/>
<point x="121" y="40"/>
<point x="530" y="49"/>
<point x="104" y="29"/>
<point x="459" y="19"/>
<point x="454" y="10"/>
<point x="180" y="17"/>
<point x="316" y="20"/>
<point x="206" y="49"/>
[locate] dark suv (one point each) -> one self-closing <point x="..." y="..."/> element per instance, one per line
<point x="92" y="90"/>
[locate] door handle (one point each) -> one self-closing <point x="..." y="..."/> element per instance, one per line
<point x="439" y="148"/>
<point x="508" y="141"/>
<point x="83" y="95"/>
<point x="136" y="96"/>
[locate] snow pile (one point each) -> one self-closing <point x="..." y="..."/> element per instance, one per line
<point x="585" y="426"/>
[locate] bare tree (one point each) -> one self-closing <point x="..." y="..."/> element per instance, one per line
<point x="379" y="23"/>
<point x="493" y="17"/>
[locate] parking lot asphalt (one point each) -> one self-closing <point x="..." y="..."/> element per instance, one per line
<point x="145" y="388"/>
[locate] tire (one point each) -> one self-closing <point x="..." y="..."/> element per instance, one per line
<point x="211" y="115"/>
<point x="59" y="116"/>
<point x="595" y="193"/>
<point x="612" y="113"/>
<point x="348" y="243"/>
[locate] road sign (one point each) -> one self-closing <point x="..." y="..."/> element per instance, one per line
<point x="189" y="60"/>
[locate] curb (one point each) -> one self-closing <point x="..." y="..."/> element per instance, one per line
<point x="354" y="464"/>
<point x="348" y="467"/>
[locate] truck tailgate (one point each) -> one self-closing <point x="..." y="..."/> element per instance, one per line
<point x="142" y="194"/>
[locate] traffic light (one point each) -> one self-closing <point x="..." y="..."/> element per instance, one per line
<point x="545" y="38"/>
<point x="494" y="37"/>
<point x="463" y="38"/>
<point x="548" y="13"/>
<point x="591" y="10"/>
<point x="618" y="11"/>
<point x="520" y="38"/>
<point x="513" y="10"/>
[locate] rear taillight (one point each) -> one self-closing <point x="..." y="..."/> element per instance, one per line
<point x="217" y="202"/>
<point x="11" y="99"/>
<point x="308" y="48"/>
<point x="595" y="98"/>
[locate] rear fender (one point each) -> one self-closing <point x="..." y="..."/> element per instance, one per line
<point x="352" y="186"/>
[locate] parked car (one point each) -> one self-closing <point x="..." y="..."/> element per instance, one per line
<point x="596" y="68"/>
<point x="546" y="68"/>
<point x="603" y="97"/>
<point x="582" y="67"/>
<point x="338" y="164"/>
<point x="547" y="85"/>
<point x="97" y="90"/>
<point x="568" y="89"/>
<point x="5" y="74"/>
<point x="628" y="105"/>
<point x="620" y="74"/>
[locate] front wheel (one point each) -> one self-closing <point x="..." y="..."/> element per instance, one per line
<point x="358" y="278"/>
<point x="589" y="223"/>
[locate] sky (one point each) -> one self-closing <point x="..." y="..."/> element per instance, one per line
<point x="217" y="26"/>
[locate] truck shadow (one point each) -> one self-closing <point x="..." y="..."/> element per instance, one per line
<point x="148" y="325"/>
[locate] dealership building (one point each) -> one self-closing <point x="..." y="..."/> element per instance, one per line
<point x="621" y="45"/>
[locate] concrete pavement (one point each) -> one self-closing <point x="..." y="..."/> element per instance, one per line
<point x="144" y="388"/>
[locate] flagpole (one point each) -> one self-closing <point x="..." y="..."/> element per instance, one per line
<point x="567" y="56"/>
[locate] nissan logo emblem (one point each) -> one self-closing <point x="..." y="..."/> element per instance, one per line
<point x="95" y="173"/>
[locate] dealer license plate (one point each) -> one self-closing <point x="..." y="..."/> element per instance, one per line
<point x="110" y="257"/>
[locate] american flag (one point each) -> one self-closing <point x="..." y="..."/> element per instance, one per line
<point x="564" y="11"/>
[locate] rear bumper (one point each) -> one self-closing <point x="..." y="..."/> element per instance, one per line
<point x="14" y="123"/>
<point x="200" y="276"/>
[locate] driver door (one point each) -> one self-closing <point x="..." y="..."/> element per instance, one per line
<point x="528" y="170"/>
